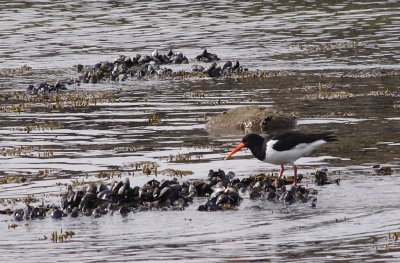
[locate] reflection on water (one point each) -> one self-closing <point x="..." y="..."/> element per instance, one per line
<point x="350" y="222"/>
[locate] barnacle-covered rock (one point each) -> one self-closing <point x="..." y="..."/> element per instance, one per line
<point x="255" y="118"/>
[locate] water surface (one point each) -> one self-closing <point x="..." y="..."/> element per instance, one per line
<point x="350" y="222"/>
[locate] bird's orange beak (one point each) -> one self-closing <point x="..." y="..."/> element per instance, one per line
<point x="238" y="148"/>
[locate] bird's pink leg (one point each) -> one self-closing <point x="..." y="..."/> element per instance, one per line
<point x="295" y="174"/>
<point x="281" y="173"/>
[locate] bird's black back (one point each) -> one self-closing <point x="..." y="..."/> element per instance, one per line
<point x="289" y="140"/>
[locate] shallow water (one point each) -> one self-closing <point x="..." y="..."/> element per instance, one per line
<point x="350" y="222"/>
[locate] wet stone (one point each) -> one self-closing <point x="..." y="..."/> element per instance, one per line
<point x="254" y="118"/>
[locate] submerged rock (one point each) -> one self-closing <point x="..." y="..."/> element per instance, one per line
<point x="255" y="118"/>
<point x="382" y="170"/>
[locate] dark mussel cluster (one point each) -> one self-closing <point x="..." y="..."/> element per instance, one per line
<point x="287" y="194"/>
<point x="29" y="212"/>
<point x="125" y="67"/>
<point x="215" y="71"/>
<point x="267" y="187"/>
<point x="222" y="191"/>
<point x="226" y="196"/>
<point x="142" y="67"/>
<point x="44" y="87"/>
<point x="154" y="195"/>
<point x="207" y="56"/>
<point x="221" y="195"/>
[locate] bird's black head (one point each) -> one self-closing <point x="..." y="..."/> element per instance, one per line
<point x="256" y="144"/>
<point x="252" y="140"/>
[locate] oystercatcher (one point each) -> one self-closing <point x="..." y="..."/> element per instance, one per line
<point x="283" y="148"/>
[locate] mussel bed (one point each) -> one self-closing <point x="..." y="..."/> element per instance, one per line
<point x="223" y="192"/>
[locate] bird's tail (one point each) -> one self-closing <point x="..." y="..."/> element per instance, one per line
<point x="330" y="137"/>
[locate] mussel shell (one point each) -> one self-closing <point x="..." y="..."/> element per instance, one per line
<point x="227" y="65"/>
<point x="164" y="183"/>
<point x="301" y="189"/>
<point x="91" y="188"/>
<point x="236" y="65"/>
<point x="144" y="59"/>
<point x="152" y="183"/>
<point x="233" y="195"/>
<point x="56" y="213"/>
<point x="124" y="210"/>
<point x="77" y="199"/>
<point x="202" y="208"/>
<point x="121" y="190"/>
<point x="289" y="197"/>
<point x="156" y="192"/>
<point x="105" y="194"/>
<point x="176" y="187"/>
<point x="192" y="190"/>
<point x="88" y="201"/>
<point x="271" y="195"/>
<point x="127" y="183"/>
<point x="101" y="187"/>
<point x="96" y="213"/>
<point x="122" y="77"/>
<point x="257" y="184"/>
<point x="117" y="186"/>
<point x="211" y="205"/>
<point x="235" y="181"/>
<point x="18" y="214"/>
<point x="165" y="193"/>
<point x="135" y="191"/>
<point x="67" y="199"/>
<point x="222" y="199"/>
<point x="38" y="213"/>
<point x="146" y="195"/>
<point x="75" y="212"/>
<point x="197" y="68"/>
<point x="205" y="189"/>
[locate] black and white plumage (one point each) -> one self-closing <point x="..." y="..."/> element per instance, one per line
<point x="283" y="148"/>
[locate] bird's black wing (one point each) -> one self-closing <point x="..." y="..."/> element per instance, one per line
<point x="289" y="140"/>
